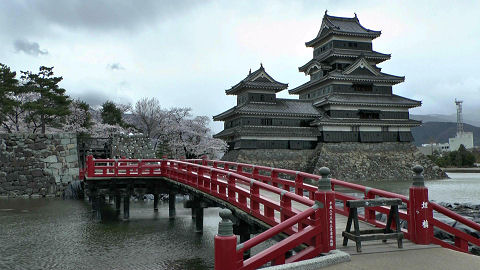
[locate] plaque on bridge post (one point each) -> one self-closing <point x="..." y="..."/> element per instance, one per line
<point x="325" y="214"/>
<point x="420" y="226"/>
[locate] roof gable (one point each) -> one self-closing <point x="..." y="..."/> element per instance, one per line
<point x="341" y="26"/>
<point x="361" y="67"/>
<point x="259" y="79"/>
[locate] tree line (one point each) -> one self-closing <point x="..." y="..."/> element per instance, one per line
<point x="35" y="103"/>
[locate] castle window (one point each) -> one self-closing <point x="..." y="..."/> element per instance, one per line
<point x="368" y="114"/>
<point x="262" y="98"/>
<point x="266" y="122"/>
<point x="363" y="87"/>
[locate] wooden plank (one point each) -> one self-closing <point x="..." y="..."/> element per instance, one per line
<point x="374" y="202"/>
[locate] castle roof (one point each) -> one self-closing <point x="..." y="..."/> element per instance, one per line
<point x="373" y="56"/>
<point x="341" y="26"/>
<point x="326" y="120"/>
<point x="282" y="107"/>
<point x="367" y="100"/>
<point x="258" y="79"/>
<point x="277" y="131"/>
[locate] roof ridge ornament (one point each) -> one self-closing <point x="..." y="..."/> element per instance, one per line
<point x="250" y="71"/>
<point x="326" y="10"/>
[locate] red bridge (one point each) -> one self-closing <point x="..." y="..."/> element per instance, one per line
<point x="280" y="202"/>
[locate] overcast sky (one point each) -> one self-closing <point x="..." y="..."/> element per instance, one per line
<point x="186" y="53"/>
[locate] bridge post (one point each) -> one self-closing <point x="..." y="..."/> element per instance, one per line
<point x="118" y="201"/>
<point x="126" y="206"/>
<point x="325" y="213"/>
<point x="420" y="227"/>
<point x="225" y="243"/>
<point x="155" y="202"/>
<point x="198" y="219"/>
<point x="171" y="205"/>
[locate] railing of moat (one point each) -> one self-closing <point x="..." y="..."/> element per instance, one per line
<point x="242" y="185"/>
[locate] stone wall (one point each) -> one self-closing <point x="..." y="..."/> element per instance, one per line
<point x="132" y="146"/>
<point x="299" y="160"/>
<point x="37" y="164"/>
<point x="347" y="161"/>
<point x="374" y="161"/>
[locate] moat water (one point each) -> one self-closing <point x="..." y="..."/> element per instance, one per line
<point x="58" y="234"/>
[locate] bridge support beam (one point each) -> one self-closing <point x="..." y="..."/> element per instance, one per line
<point x="242" y="228"/>
<point x="197" y="206"/>
<point x="126" y="207"/>
<point x="199" y="219"/>
<point x="118" y="201"/>
<point x="155" y="202"/>
<point x="171" y="205"/>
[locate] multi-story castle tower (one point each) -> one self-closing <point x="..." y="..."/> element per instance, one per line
<point x="348" y="98"/>
<point x="354" y="97"/>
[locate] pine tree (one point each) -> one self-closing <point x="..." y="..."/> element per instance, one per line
<point x="111" y="114"/>
<point x="8" y="88"/>
<point x="51" y="105"/>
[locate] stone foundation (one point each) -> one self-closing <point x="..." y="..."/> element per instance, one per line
<point x="37" y="164"/>
<point x="347" y="161"/>
<point x="135" y="146"/>
<point x="298" y="160"/>
<point x="374" y="161"/>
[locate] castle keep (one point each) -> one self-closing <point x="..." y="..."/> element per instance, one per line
<point x="347" y="99"/>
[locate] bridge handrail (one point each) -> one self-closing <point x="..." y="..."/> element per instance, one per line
<point x="269" y="179"/>
<point x="369" y="193"/>
<point x="303" y="233"/>
<point x="462" y="239"/>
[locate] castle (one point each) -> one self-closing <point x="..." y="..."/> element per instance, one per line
<point x="347" y="99"/>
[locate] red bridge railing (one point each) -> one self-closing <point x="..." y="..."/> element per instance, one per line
<point x="306" y="223"/>
<point x="304" y="220"/>
<point x="418" y="213"/>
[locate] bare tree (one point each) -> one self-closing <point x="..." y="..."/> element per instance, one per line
<point x="148" y="116"/>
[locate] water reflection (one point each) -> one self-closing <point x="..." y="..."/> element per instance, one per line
<point x="461" y="188"/>
<point x="56" y="234"/>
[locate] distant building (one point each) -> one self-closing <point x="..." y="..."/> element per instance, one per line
<point x="347" y="99"/>
<point x="465" y="138"/>
<point x="431" y="148"/>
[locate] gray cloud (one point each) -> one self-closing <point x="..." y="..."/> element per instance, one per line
<point x="115" y="66"/>
<point x="96" y="98"/>
<point x="100" y="15"/>
<point x="30" y="48"/>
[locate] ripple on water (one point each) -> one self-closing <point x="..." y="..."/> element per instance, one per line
<point x="56" y="234"/>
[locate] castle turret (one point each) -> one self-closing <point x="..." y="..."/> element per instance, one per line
<point x="353" y="95"/>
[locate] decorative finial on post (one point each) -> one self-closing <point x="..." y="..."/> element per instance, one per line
<point x="324" y="182"/>
<point x="225" y="226"/>
<point x="418" y="179"/>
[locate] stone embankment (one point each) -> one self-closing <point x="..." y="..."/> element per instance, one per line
<point x="37" y="164"/>
<point x="347" y="161"/>
<point x="375" y="161"/>
<point x="298" y="160"/>
<point x="134" y="146"/>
